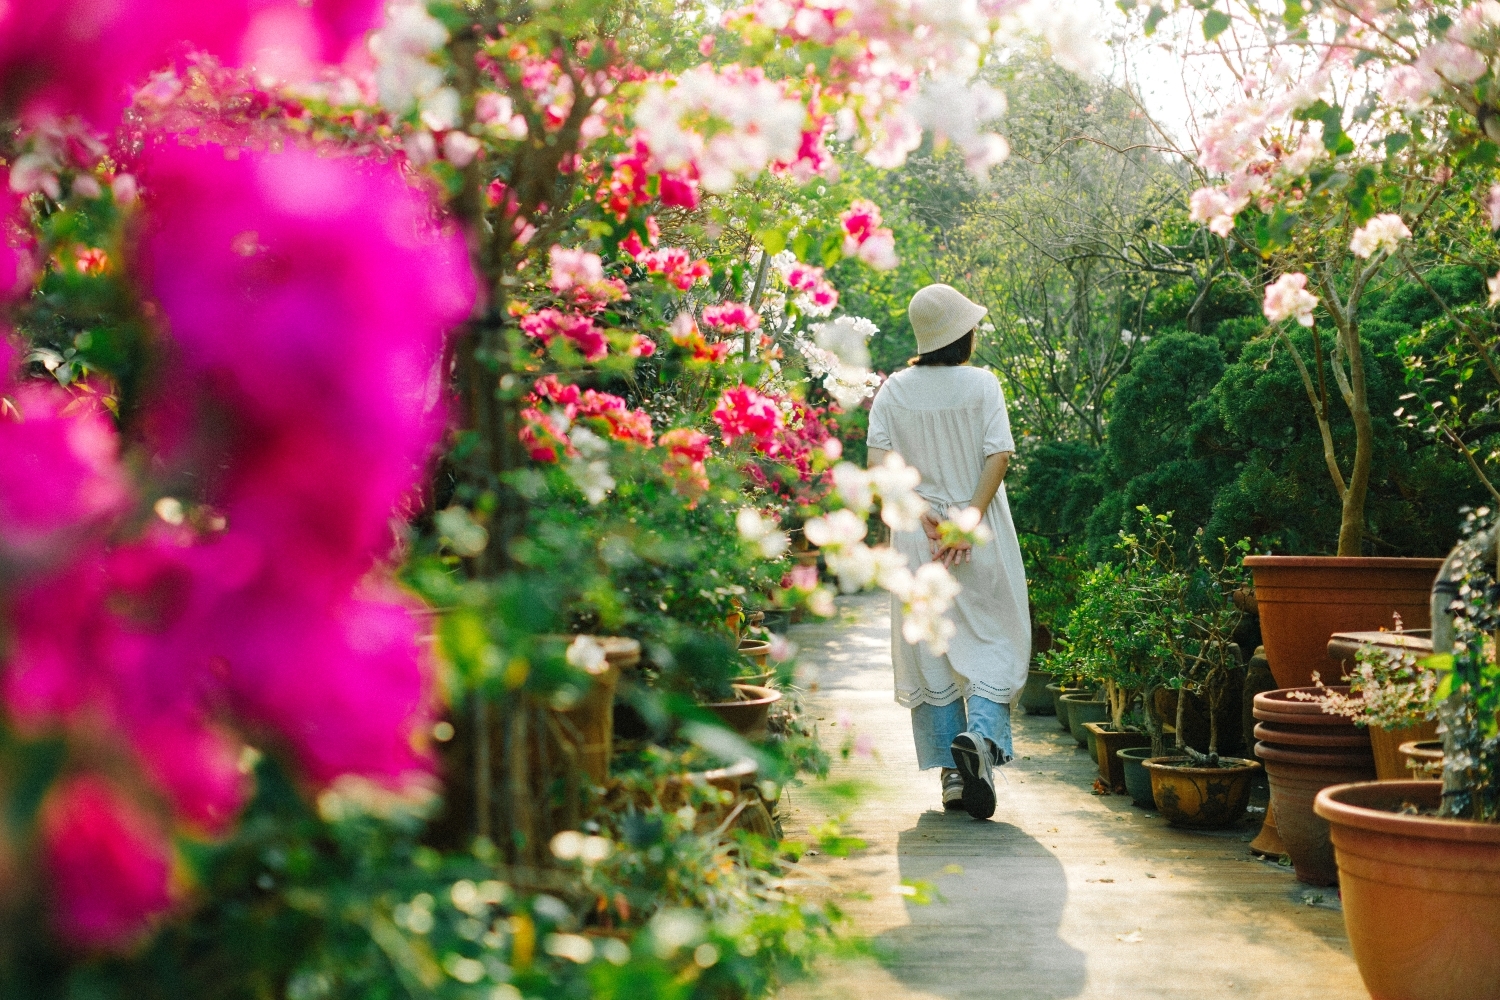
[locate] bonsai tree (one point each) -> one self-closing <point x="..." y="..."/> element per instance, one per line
<point x="1113" y="641"/>
<point x="1190" y="615"/>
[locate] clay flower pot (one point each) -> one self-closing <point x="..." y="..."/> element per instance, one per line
<point x="1303" y="600"/>
<point x="1385" y="744"/>
<point x="1137" y="778"/>
<point x="1201" y="797"/>
<point x="1421" y="895"/>
<point x="1107" y="743"/>
<point x="756" y="650"/>
<point x="590" y="727"/>
<point x="1423" y="759"/>
<point x="1304" y="751"/>
<point x="1035" y="697"/>
<point x="1082" y="708"/>
<point x="750" y="712"/>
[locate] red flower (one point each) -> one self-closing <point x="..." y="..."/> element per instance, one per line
<point x="743" y="412"/>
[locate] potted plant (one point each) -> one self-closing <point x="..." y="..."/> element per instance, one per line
<point x="1189" y="609"/>
<point x="1419" y="861"/>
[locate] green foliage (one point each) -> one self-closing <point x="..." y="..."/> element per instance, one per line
<point x="1054" y="487"/>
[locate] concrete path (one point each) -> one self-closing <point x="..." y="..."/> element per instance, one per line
<point x="1063" y="894"/>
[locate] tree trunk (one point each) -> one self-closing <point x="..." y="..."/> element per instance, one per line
<point x="1352" y="525"/>
<point x="1181" y="706"/>
<point x="1153" y="721"/>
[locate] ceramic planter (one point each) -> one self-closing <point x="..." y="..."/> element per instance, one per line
<point x="1058" y="708"/>
<point x="1201" y="797"/>
<point x="1137" y="778"/>
<point x="590" y="722"/>
<point x="1421" y="895"/>
<point x="750" y="712"/>
<point x="1082" y="708"/>
<point x="1107" y="743"/>
<point x="1035" y="697"/>
<point x="1303" y="600"/>
<point x="756" y="650"/>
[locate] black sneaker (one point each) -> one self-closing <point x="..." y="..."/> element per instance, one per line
<point x="971" y="752"/>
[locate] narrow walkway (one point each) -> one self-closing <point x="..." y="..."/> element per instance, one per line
<point x="1063" y="894"/>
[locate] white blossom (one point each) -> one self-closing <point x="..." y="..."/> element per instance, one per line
<point x="1384" y="232"/>
<point x="404" y="73"/>
<point x="762" y="532"/>
<point x="587" y="654"/>
<point x="1288" y="296"/>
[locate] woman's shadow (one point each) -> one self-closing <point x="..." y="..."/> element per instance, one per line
<point x="992" y="931"/>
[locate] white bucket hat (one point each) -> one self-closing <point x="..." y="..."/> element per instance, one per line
<point x="940" y="314"/>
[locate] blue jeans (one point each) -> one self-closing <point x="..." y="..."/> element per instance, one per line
<point x="934" y="726"/>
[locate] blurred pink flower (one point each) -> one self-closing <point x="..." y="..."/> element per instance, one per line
<point x="62" y="476"/>
<point x="108" y="864"/>
<point x="574" y="269"/>
<point x="731" y="317"/>
<point x="743" y="412"/>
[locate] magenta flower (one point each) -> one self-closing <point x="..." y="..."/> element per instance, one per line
<point x="108" y="864"/>
<point x="62" y="477"/>
<point x="743" y="412"/>
<point x="731" y="317"/>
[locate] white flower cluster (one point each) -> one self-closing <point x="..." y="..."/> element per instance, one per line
<point x="1384" y="232"/>
<point x="756" y="124"/>
<point x="840" y="355"/>
<point x="589" y="471"/>
<point x="927" y="594"/>
<point x="405" y="76"/>
<point x="1287" y="297"/>
<point x="762" y="532"/>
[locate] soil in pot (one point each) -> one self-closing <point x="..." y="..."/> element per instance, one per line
<point x="750" y="712"/>
<point x="1058" y="708"/>
<point x="1421" y="895"/>
<point x="1297" y="775"/>
<point x="1201" y="797"/>
<point x="1035" y="697"/>
<point x="1303" y="600"/>
<point x="1107" y="743"/>
<point x="1082" y="708"/>
<point x="1137" y="778"/>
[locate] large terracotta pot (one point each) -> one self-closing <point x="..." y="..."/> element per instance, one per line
<point x="749" y="714"/>
<point x="1303" y="600"/>
<point x="1421" y="895"/>
<point x="1386" y="746"/>
<point x="1201" y="797"/>
<point x="1296" y="777"/>
<point x="1304" y="751"/>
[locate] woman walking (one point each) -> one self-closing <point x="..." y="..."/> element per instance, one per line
<point x="949" y="421"/>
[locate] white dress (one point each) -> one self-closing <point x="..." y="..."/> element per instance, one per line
<point x="946" y="421"/>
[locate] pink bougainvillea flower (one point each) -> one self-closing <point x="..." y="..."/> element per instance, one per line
<point x="62" y="57"/>
<point x="197" y="768"/>
<point x="641" y="346"/>
<point x="864" y="237"/>
<point x="632" y="246"/>
<point x="62" y="478"/>
<point x="311" y="325"/>
<point x="677" y="266"/>
<point x="574" y="269"/>
<point x="542" y="437"/>
<point x="731" y="317"/>
<point x="108" y="864"/>
<point x="743" y="412"/>
<point x="549" y="388"/>
<point x="685" y="334"/>
<point x="624" y="423"/>
<point x="687" y="451"/>
<point x="547" y="324"/>
<point x="17" y="268"/>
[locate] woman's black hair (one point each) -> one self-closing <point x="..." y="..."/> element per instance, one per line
<point x="955" y="353"/>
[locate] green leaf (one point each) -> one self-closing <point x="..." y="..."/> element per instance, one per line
<point x="1293" y="14"/>
<point x="1395" y="142"/>
<point x="774" y="241"/>
<point x="1153" y="19"/>
<point x="1214" y="24"/>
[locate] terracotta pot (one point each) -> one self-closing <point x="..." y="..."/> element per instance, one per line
<point x="756" y="650"/>
<point x="589" y="725"/>
<point x="1082" y="708"/>
<point x="1201" y="797"/>
<point x="1423" y="759"/>
<point x="1297" y="775"/>
<point x="1058" y="708"/>
<point x="1322" y="737"/>
<point x="750" y="712"/>
<point x="1421" y="895"/>
<point x="1303" y="600"/>
<point x="1137" y="778"/>
<point x="1035" y="697"/>
<point x="1386" y="744"/>
<point x="1107" y="743"/>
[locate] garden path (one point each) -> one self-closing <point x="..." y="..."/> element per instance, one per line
<point x="1063" y="894"/>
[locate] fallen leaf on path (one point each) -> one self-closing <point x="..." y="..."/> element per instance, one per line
<point x="1134" y="937"/>
<point x="1100" y="880"/>
<point x="953" y="869"/>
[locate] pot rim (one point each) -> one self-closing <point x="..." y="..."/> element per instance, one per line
<point x="1345" y="562"/>
<point x="1331" y="806"/>
<point x="1082" y="695"/>
<point x="1162" y="764"/>
<point x="1122" y="752"/>
<point x="1100" y="729"/>
<point x="1300" y="736"/>
<point x="1337" y="758"/>
<point x="768" y="696"/>
<point x="748" y="644"/>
